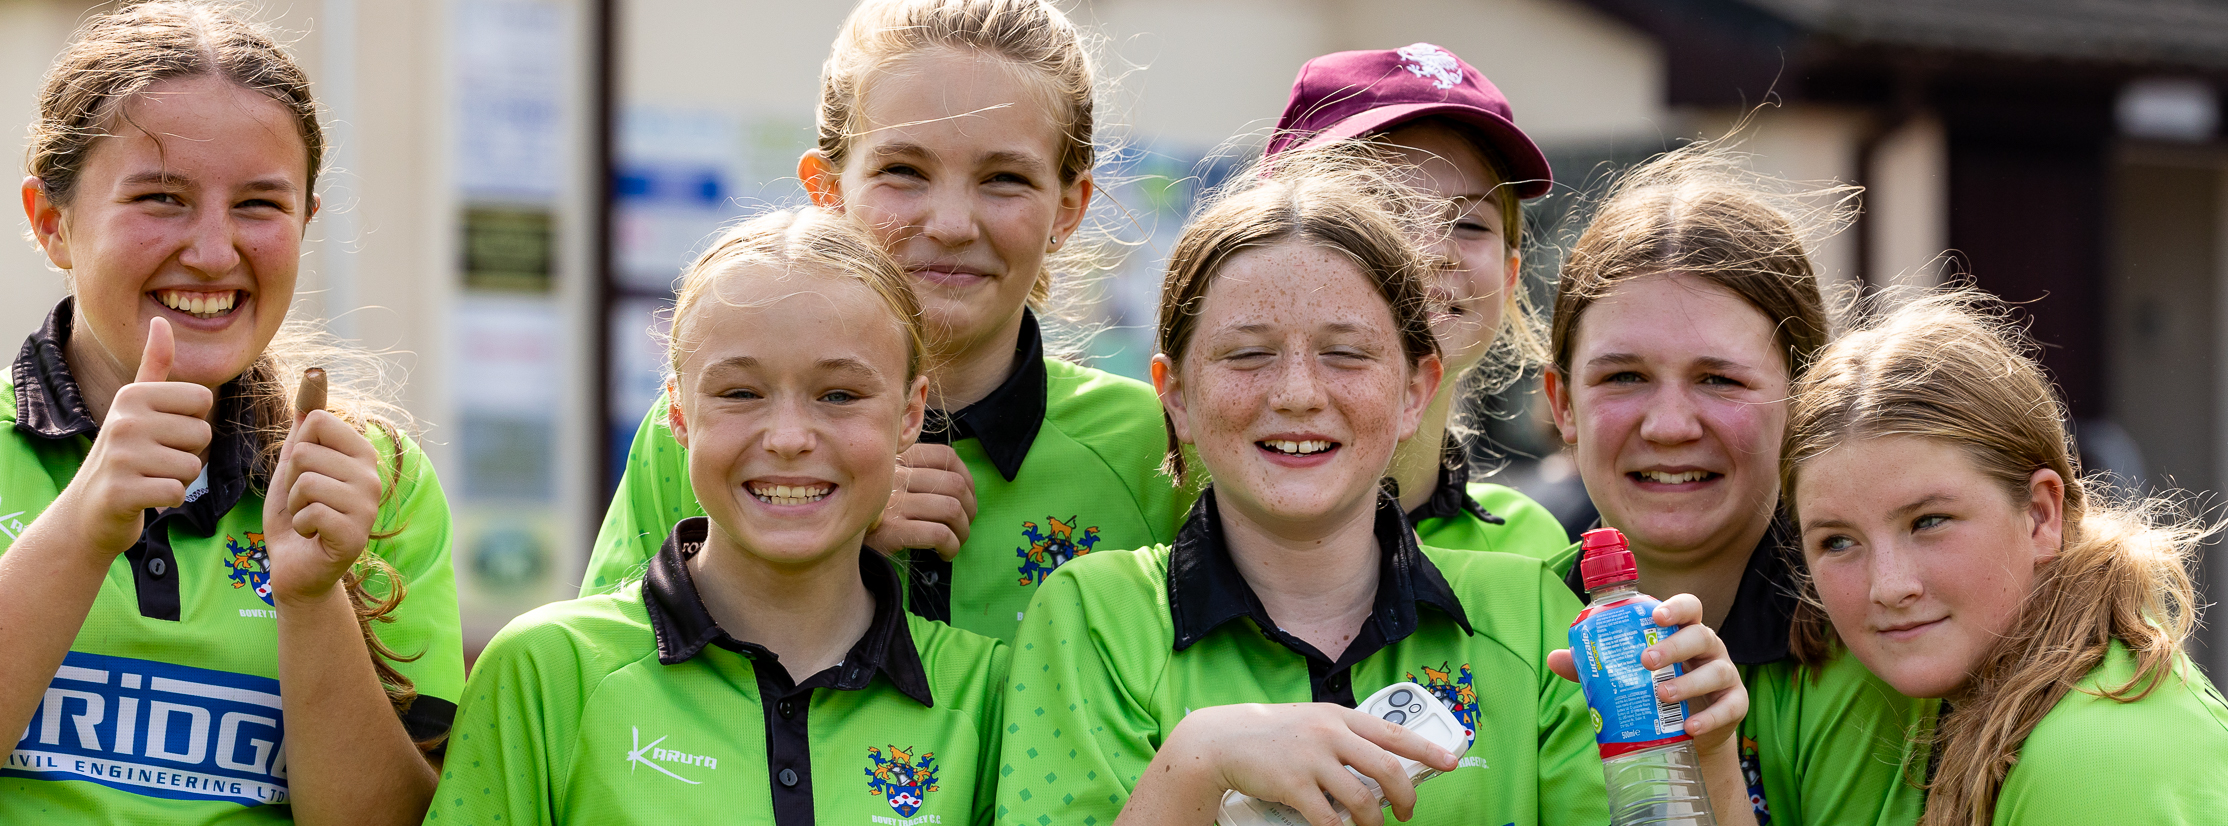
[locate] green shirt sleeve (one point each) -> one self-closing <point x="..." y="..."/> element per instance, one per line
<point x="653" y="495"/>
<point x="511" y="748"/>
<point x="1080" y="721"/>
<point x="1571" y="786"/>
<point x="1835" y="744"/>
<point x="426" y="626"/>
<point x="986" y="780"/>
<point x="2160" y="761"/>
<point x="1527" y="527"/>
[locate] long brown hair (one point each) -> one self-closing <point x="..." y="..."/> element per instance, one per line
<point x="1950" y="366"/>
<point x="1695" y="211"/>
<point x="116" y="57"/>
<point x="1346" y="197"/>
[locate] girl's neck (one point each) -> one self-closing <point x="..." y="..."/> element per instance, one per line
<point x="98" y="376"/>
<point x="1713" y="577"/>
<point x="1319" y="587"/>
<point x="959" y="379"/>
<point x="808" y="615"/>
<point x="1415" y="464"/>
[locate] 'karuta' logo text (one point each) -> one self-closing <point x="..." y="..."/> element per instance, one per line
<point x="650" y="755"/>
<point x="1048" y="550"/>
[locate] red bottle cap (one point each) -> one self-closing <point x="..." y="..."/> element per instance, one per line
<point x="1608" y="560"/>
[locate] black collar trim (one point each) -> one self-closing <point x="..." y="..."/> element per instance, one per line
<point x="1452" y="497"/>
<point x="1756" y="627"/>
<point x="683" y="627"/>
<point x="1007" y="420"/>
<point x="1205" y="589"/>
<point x="47" y="402"/>
<point x="49" y="405"/>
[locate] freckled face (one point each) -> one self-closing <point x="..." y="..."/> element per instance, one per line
<point x="1294" y="388"/>
<point x="1676" y="404"/>
<point x="192" y="210"/>
<point x="957" y="169"/>
<point x="792" y="450"/>
<point x="1481" y="264"/>
<point x="1922" y="562"/>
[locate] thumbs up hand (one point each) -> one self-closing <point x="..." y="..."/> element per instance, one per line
<point x="323" y="500"/>
<point x="147" y="452"/>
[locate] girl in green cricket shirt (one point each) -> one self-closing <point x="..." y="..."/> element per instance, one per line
<point x="1684" y="311"/>
<point x="765" y="669"/>
<point x="960" y="131"/>
<point x="1296" y="352"/>
<point x="1954" y="547"/>
<point x="189" y="566"/>
<point x="1456" y="131"/>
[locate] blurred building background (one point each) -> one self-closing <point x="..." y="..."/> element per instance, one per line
<point x="2065" y="153"/>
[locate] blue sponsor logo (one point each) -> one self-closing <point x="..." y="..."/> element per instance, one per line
<point x="159" y="730"/>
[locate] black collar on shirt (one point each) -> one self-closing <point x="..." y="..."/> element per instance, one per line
<point x="50" y="406"/>
<point x="1006" y="421"/>
<point x="1756" y="627"/>
<point x="1205" y="589"/>
<point x="683" y="626"/>
<point x="1452" y="497"/>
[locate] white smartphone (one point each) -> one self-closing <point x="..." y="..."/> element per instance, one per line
<point x="1407" y="705"/>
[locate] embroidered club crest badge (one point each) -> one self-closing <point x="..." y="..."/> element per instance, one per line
<point x="901" y="780"/>
<point x="250" y="564"/>
<point x="1454" y="688"/>
<point x="1048" y="550"/>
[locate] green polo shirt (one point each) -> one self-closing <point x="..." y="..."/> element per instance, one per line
<point x="636" y="707"/>
<point x="2160" y="761"/>
<point x="1826" y="745"/>
<point x="1482" y="516"/>
<point x="1118" y="648"/>
<point x="167" y="708"/>
<point x="1065" y="459"/>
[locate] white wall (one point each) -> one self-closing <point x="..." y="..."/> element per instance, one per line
<point x="1202" y="71"/>
<point x="31" y="34"/>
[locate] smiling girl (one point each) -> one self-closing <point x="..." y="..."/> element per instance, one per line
<point x="1683" y="313"/>
<point x="190" y="567"/>
<point x="960" y="132"/>
<point x="1955" y="548"/>
<point x="1296" y="353"/>
<point x="1457" y="135"/>
<point x="765" y="669"/>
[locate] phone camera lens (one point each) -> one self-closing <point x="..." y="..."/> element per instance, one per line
<point x="1396" y="717"/>
<point x="1401" y="697"/>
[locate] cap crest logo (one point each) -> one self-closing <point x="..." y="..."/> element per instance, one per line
<point x="1431" y="63"/>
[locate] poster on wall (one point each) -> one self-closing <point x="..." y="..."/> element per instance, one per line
<point x="508" y="363"/>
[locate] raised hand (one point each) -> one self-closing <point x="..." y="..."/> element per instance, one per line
<point x="1711" y="687"/>
<point x="148" y="451"/>
<point x="933" y="504"/>
<point x="323" y="500"/>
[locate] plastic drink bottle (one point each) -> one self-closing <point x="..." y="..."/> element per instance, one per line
<point x="1649" y="761"/>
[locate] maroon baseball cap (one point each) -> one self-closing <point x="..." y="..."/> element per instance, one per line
<point x="1351" y="94"/>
